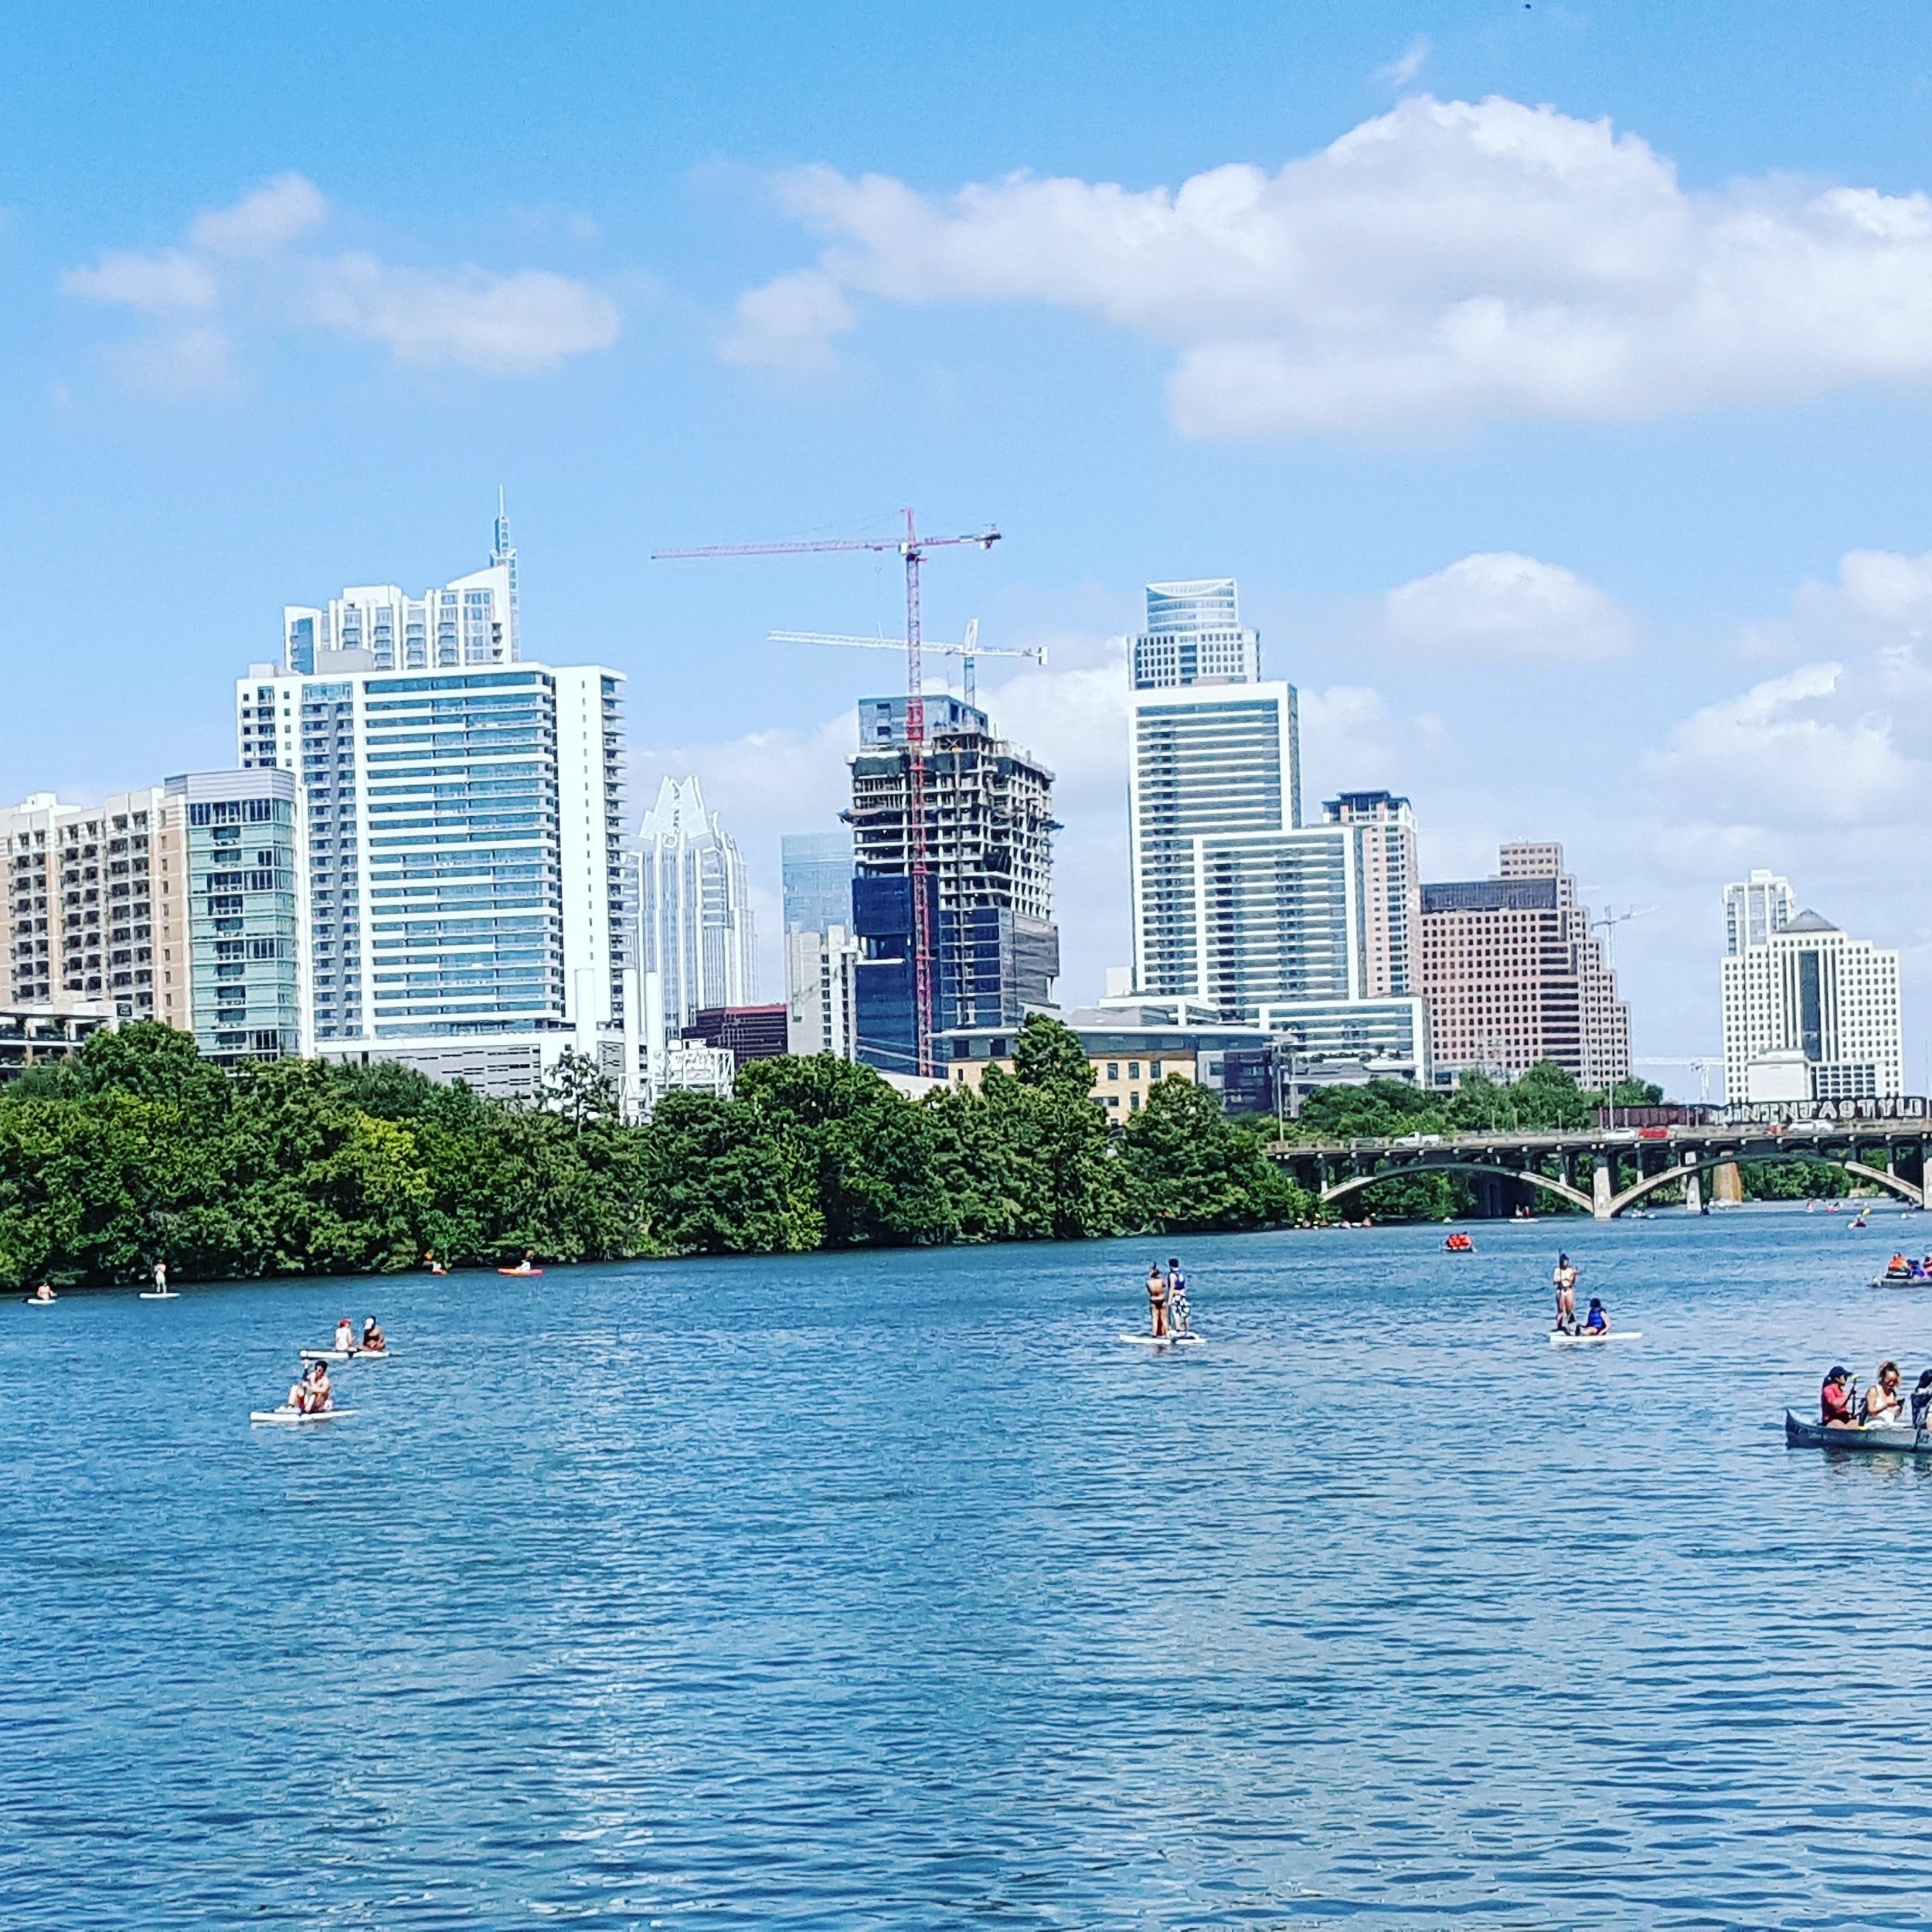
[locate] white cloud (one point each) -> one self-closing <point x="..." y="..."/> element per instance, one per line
<point x="789" y="323"/>
<point x="502" y="324"/>
<point x="268" y="218"/>
<point x="151" y="282"/>
<point x="1445" y="263"/>
<point x="1407" y="65"/>
<point x="1498" y="603"/>
<point x="244" y="265"/>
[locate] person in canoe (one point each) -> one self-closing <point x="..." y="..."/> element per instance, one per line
<point x="1835" y="1399"/>
<point x="1597" y="1320"/>
<point x="374" y="1341"/>
<point x="1882" y="1402"/>
<point x="1156" y="1300"/>
<point x="1180" y="1317"/>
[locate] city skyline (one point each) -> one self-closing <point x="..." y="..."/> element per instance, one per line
<point x="1661" y="606"/>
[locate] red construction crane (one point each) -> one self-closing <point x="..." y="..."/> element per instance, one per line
<point x="912" y="547"/>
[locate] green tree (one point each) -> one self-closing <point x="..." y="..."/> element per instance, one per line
<point x="1189" y="1166"/>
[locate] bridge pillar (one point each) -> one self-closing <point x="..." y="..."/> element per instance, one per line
<point x="1727" y="1184"/>
<point x="1599" y="1188"/>
<point x="1693" y="1194"/>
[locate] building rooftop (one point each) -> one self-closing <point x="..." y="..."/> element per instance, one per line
<point x="1808" y="922"/>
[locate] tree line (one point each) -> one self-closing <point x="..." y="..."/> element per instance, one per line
<point x="137" y="1150"/>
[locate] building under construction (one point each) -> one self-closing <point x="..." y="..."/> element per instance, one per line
<point x="989" y="859"/>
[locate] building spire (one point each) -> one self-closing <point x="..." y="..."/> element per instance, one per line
<point x="503" y="552"/>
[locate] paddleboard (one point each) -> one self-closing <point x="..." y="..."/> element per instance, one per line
<point x="1593" y="1341"/>
<point x="298" y="1415"/>
<point x="159" y="1294"/>
<point x="1166" y="1341"/>
<point x="353" y="1355"/>
<point x="34" y="1301"/>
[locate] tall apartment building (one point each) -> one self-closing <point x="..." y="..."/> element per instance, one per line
<point x="695" y="924"/>
<point x="816" y="871"/>
<point x="472" y="619"/>
<point x="1755" y="908"/>
<point x="989" y="829"/>
<point x="1390" y="882"/>
<point x="821" y="992"/>
<point x="464" y="894"/>
<point x="82" y="891"/>
<point x="1213" y="751"/>
<point x="229" y="924"/>
<point x="1809" y="1013"/>
<point x="1513" y="975"/>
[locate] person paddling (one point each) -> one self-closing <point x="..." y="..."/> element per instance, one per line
<point x="1180" y="1317"/>
<point x="161" y="1277"/>
<point x="322" y="1391"/>
<point x="1922" y="1400"/>
<point x="1835" y="1399"/>
<point x="1564" y="1276"/>
<point x="44" y="1292"/>
<point x="1157" y="1300"/>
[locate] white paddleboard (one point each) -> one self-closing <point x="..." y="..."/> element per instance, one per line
<point x="159" y="1294"/>
<point x="1166" y="1341"/>
<point x="298" y="1415"/>
<point x="1594" y="1340"/>
<point x="339" y="1355"/>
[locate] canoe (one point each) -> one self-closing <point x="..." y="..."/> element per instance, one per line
<point x="1897" y="1439"/>
<point x="1902" y="1280"/>
<point x="298" y="1415"/>
<point x="352" y="1354"/>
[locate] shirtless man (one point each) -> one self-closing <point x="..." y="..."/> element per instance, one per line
<point x="1157" y="1299"/>
<point x="1564" y="1276"/>
<point x="321" y="1393"/>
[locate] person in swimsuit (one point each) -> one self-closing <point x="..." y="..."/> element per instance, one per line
<point x="45" y="1293"/>
<point x="1180" y="1317"/>
<point x="161" y="1277"/>
<point x="1882" y="1401"/>
<point x="1157" y="1299"/>
<point x="1564" y="1276"/>
<point x="374" y="1341"/>
<point x="322" y="1391"/>
<point x="345" y="1336"/>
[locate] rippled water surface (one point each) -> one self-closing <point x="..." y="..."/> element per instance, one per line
<point x="897" y="1591"/>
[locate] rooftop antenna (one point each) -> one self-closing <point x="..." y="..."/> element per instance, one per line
<point x="502" y="551"/>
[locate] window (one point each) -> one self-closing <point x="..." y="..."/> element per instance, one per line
<point x="1113" y="1073"/>
<point x="1133" y="1073"/>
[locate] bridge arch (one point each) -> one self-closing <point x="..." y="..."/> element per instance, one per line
<point x="1413" y="1170"/>
<point x="1652" y="1183"/>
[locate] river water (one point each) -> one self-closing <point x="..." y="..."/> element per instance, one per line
<point x="894" y="1590"/>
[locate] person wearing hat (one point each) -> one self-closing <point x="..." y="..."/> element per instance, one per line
<point x="1835" y="1399"/>
<point x="1882" y="1402"/>
<point x="374" y="1341"/>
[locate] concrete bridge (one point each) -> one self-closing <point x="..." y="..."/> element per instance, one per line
<point x="1604" y="1171"/>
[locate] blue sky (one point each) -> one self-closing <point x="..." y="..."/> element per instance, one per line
<point x="1538" y="448"/>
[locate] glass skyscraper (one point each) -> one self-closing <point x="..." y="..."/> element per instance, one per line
<point x="816" y="869"/>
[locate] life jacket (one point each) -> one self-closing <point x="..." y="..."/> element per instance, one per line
<point x="1835" y="1401"/>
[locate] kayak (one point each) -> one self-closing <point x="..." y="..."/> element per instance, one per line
<point x="1166" y="1341"/>
<point x="346" y="1354"/>
<point x="524" y="1272"/>
<point x="1586" y="1340"/>
<point x="286" y="1414"/>
<point x="1813" y="1435"/>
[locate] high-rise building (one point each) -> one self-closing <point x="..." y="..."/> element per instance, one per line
<point x="234" y="967"/>
<point x="1195" y="635"/>
<point x="1809" y="1013"/>
<point x="1213" y="751"/>
<point x="817" y="872"/>
<point x="1755" y="908"/>
<point x="694" y="922"/>
<point x="1513" y="974"/>
<point x="472" y="619"/>
<point x="990" y="869"/>
<point x="747" y="1032"/>
<point x="1389" y="883"/>
<point x="821" y="992"/>
<point x="464" y="892"/>
<point x="82" y="889"/>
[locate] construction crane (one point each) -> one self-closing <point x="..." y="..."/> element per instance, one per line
<point x="967" y="651"/>
<point x="912" y="547"/>
<point x="1611" y="919"/>
<point x="1703" y="1067"/>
